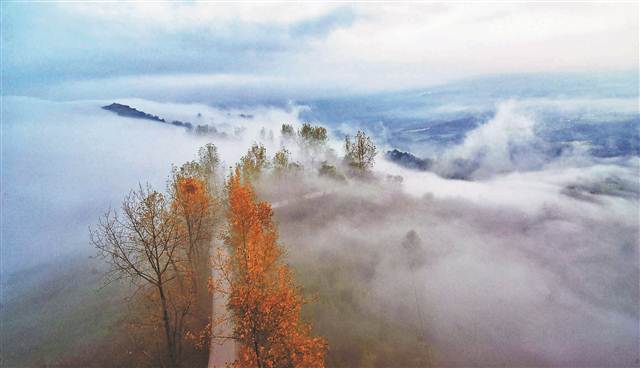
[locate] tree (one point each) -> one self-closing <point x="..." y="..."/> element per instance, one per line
<point x="416" y="255"/>
<point x="287" y="131"/>
<point x="330" y="171"/>
<point x="281" y="161"/>
<point x="171" y="272"/>
<point x="142" y="245"/>
<point x="314" y="136"/>
<point x="190" y="169"/>
<point x="254" y="161"/>
<point x="194" y="189"/>
<point x="194" y="209"/>
<point x="206" y="168"/>
<point x="360" y="154"/>
<point x="264" y="302"/>
<point x="312" y="140"/>
<point x="192" y="204"/>
<point x="209" y="161"/>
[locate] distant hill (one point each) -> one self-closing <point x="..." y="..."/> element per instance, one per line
<point x="408" y="160"/>
<point x="130" y="112"/>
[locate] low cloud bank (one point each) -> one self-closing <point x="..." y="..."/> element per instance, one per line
<point x="505" y="143"/>
<point x="517" y="279"/>
<point x="531" y="260"/>
<point x="64" y="164"/>
<point x="532" y="263"/>
<point x="529" y="135"/>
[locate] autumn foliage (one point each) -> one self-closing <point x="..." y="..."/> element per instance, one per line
<point x="264" y="302"/>
<point x="192" y="205"/>
<point x="161" y="243"/>
<point x="187" y="297"/>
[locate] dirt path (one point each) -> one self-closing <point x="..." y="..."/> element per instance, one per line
<point x="221" y="351"/>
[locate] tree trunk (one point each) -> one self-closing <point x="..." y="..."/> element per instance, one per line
<point x="167" y="329"/>
<point x="256" y="348"/>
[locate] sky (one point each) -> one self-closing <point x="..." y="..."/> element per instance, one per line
<point x="73" y="49"/>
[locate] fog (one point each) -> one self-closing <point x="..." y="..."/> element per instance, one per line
<point x="64" y="164"/>
<point x="515" y="245"/>
<point x="515" y="271"/>
<point x="532" y="260"/>
<point x="532" y="263"/>
<point x="498" y="285"/>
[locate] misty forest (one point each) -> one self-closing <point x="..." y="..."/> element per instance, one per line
<point x="320" y="185"/>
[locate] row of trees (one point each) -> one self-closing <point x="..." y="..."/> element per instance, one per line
<point x="360" y="151"/>
<point x="162" y="243"/>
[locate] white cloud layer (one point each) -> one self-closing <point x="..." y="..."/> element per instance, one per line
<point x="345" y="46"/>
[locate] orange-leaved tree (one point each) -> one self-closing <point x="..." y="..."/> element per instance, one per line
<point x="264" y="301"/>
<point x="194" y="207"/>
<point x="192" y="204"/>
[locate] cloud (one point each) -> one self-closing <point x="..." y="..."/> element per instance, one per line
<point x="347" y="47"/>
<point x="505" y="143"/>
<point x="56" y="42"/>
<point x="187" y="15"/>
<point x="212" y="88"/>
<point x="324" y="24"/>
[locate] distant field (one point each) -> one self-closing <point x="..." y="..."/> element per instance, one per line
<point x="53" y="312"/>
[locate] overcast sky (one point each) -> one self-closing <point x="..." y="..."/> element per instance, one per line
<point x="301" y="48"/>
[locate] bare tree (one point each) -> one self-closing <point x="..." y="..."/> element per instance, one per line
<point x="141" y="244"/>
